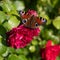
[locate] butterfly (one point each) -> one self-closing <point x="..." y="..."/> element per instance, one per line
<point x="30" y="20"/>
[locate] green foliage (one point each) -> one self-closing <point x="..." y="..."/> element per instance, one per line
<point x="13" y="57"/>
<point x="58" y="58"/>
<point x="1" y="58"/>
<point x="9" y="18"/>
<point x="56" y="22"/>
<point x="12" y="22"/>
<point x="2" y="17"/>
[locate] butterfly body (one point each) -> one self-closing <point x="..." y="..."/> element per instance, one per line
<point x="31" y="21"/>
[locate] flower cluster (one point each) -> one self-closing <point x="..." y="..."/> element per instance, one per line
<point x="19" y="37"/>
<point x="51" y="52"/>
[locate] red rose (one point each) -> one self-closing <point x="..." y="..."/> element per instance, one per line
<point x="21" y="36"/>
<point x="50" y="52"/>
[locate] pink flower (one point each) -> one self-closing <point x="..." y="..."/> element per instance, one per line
<point x="21" y="36"/>
<point x="32" y="12"/>
<point x="50" y="52"/>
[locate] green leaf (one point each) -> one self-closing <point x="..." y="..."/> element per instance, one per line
<point x="19" y="5"/>
<point x="14" y="12"/>
<point x="13" y="57"/>
<point x="2" y="17"/>
<point x="56" y="22"/>
<point x="22" y="51"/>
<point x="1" y="58"/>
<point x="52" y="3"/>
<point x="46" y="34"/>
<point x="19" y="51"/>
<point x="7" y="26"/>
<point x="42" y="43"/>
<point x="2" y="49"/>
<point x="6" y="53"/>
<point x="11" y="50"/>
<point x="8" y="7"/>
<point x="11" y="23"/>
<point x="22" y="57"/>
<point x="55" y="39"/>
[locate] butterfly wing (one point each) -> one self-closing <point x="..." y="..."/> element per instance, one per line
<point x="31" y="21"/>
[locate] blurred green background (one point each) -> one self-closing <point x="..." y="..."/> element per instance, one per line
<point x="9" y="18"/>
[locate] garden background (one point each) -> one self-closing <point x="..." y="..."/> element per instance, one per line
<point x="10" y="18"/>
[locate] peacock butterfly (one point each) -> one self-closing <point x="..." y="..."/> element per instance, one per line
<point x="31" y="20"/>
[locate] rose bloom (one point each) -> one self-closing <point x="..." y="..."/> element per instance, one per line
<point x="20" y="36"/>
<point x="50" y="52"/>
